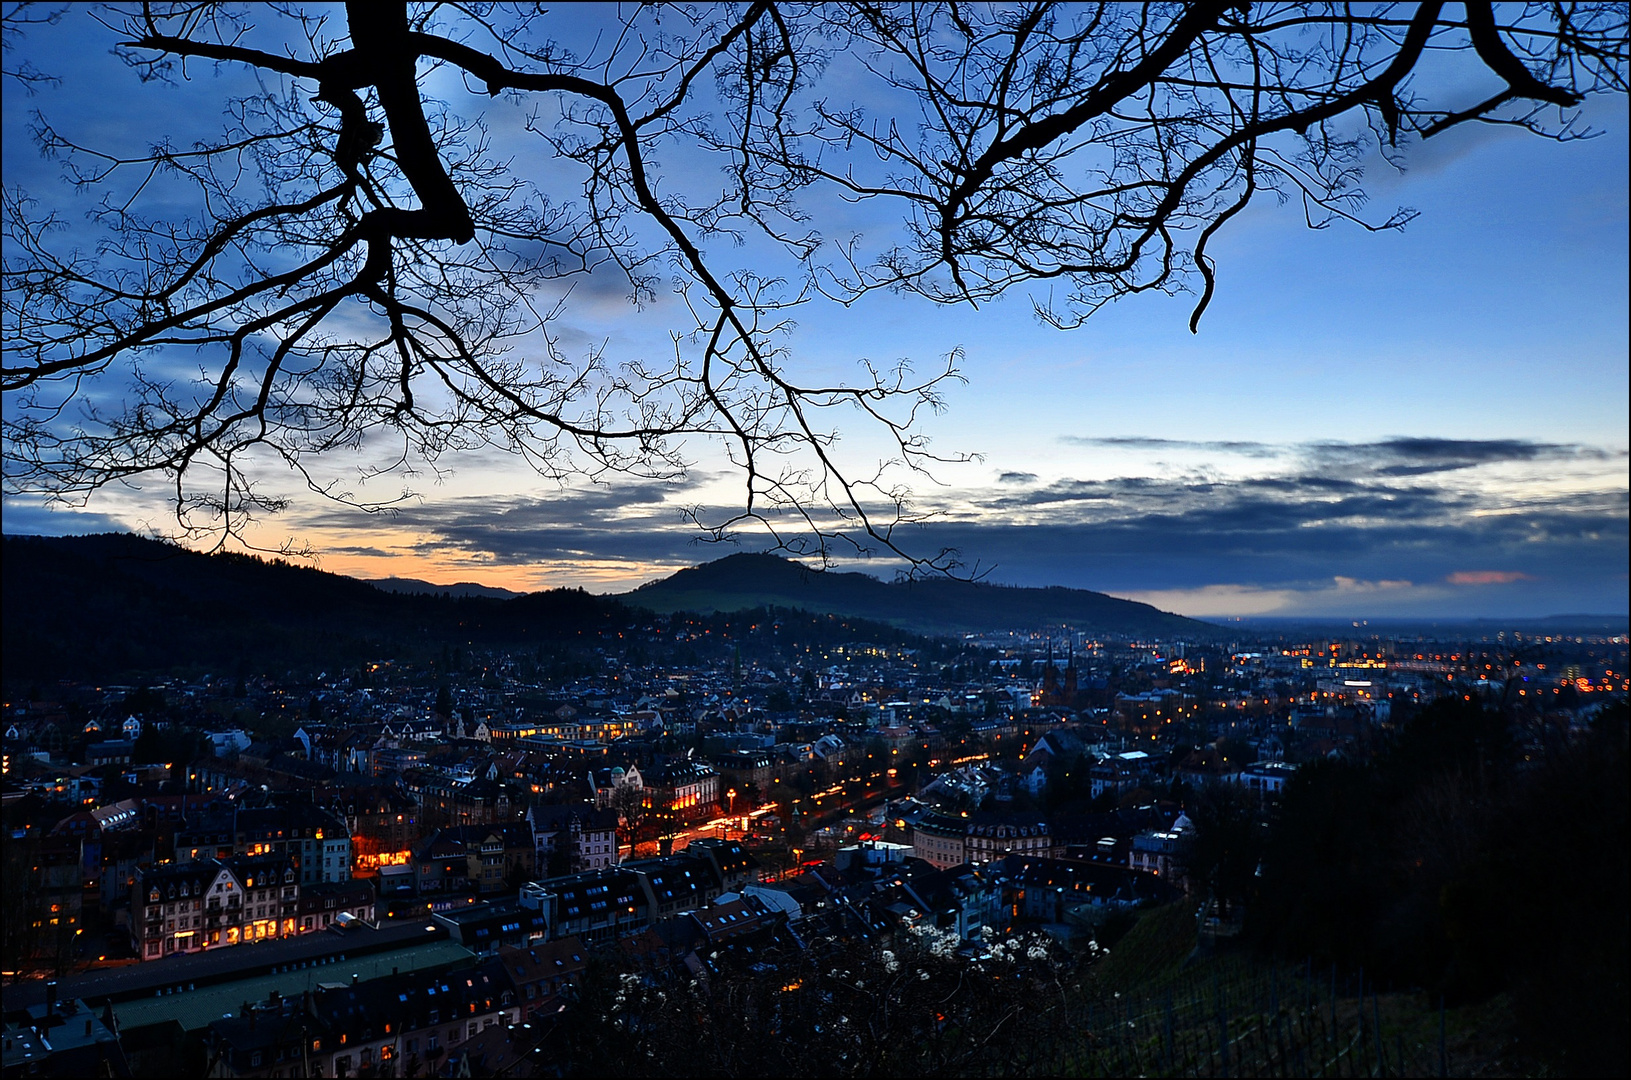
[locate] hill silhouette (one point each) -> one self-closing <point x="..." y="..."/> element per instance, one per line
<point x="115" y="606"/>
<point x="416" y="586"/>
<point x="110" y="605"/>
<point x="929" y="605"/>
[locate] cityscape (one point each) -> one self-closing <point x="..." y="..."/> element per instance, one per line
<point x="252" y="873"/>
<point x="843" y="539"/>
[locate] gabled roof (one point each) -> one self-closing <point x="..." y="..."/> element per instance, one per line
<point x="588" y="818"/>
<point x="578" y="894"/>
<point x="679" y="772"/>
<point x="722" y="922"/>
<point x="549" y="960"/>
<point x="195" y="875"/>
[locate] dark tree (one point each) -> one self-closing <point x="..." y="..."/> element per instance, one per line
<point x="562" y="858"/>
<point x="837" y="1008"/>
<point x="1420" y="866"/>
<point x="346" y="258"/>
<point x="1228" y="841"/>
<point x="145" y="701"/>
<point x="634" y="815"/>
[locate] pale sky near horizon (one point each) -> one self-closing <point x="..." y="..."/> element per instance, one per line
<point x="1426" y="423"/>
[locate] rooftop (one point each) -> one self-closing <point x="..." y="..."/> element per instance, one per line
<point x="195" y="1009"/>
<point x="226" y="964"/>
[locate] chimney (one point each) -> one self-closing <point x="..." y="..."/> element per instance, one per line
<point x="353" y="978"/>
<point x="50" y="998"/>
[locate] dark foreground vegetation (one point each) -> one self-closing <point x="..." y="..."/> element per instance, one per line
<point x="1468" y="860"/>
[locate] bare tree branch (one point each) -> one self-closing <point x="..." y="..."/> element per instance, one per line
<point x="360" y="265"/>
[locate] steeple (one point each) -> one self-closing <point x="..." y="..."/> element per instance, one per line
<point x="1050" y="679"/>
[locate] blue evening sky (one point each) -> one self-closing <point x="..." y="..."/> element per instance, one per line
<point x="1425" y="423"/>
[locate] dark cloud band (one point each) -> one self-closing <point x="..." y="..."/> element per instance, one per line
<point x="1397" y="456"/>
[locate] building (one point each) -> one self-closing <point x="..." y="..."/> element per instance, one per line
<point x="733" y="864"/>
<point x="404" y="1024"/>
<point x="1268" y="778"/>
<point x="598" y="906"/>
<point x="542" y="973"/>
<point x="1164" y="852"/>
<point x="945" y="841"/>
<point x="573" y="838"/>
<point x="314" y="840"/>
<point x="440" y="865"/>
<point x="111" y="752"/>
<point x="938" y="840"/>
<point x="497" y="857"/>
<point x="675" y="884"/>
<point x="61" y="1038"/>
<point x="209" y="903"/>
<point x="321" y="904"/>
<point x="989" y="837"/>
<point x="686" y="789"/>
<point x="487" y="926"/>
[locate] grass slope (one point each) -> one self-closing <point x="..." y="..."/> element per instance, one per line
<point x="1167" y="1008"/>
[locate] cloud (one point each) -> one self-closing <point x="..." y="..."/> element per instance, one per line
<point x="32" y="519"/>
<point x="1400" y="455"/>
<point x="1336" y="594"/>
<point x="1251" y="504"/>
<point x="1392" y="537"/>
<point x="1216" y="600"/>
<point x="365" y="550"/>
<point x="1487" y="577"/>
<point x="1139" y="442"/>
<point x="1247" y="543"/>
<point x="1406" y="456"/>
<point x="639" y="521"/>
<point x="1354" y="585"/>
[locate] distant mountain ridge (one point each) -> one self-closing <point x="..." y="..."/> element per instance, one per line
<point x="928" y="605"/>
<point x="416" y="587"/>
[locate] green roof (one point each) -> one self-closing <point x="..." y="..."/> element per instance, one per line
<point x="196" y="1009"/>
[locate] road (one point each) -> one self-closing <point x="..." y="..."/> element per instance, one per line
<point x="832" y="805"/>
